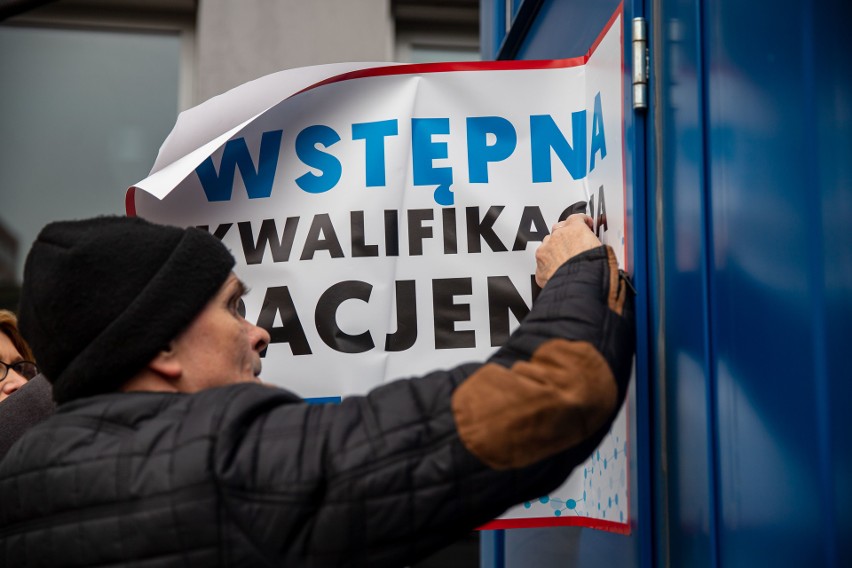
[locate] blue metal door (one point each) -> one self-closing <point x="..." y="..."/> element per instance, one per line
<point x="556" y="29"/>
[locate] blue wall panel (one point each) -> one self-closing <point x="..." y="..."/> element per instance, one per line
<point x="682" y="386"/>
<point x="770" y="185"/>
<point x="565" y="28"/>
<point x="830" y="103"/>
<point x="832" y="144"/>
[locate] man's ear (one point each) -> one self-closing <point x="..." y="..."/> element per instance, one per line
<point x="167" y="364"/>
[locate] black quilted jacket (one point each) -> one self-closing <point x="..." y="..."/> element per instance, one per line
<point x="248" y="475"/>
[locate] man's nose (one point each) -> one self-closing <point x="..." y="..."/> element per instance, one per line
<point x="258" y="337"/>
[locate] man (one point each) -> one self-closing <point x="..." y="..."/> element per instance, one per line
<point x="165" y="450"/>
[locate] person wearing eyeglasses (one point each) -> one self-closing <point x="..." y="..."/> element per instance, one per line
<point x="25" y="396"/>
<point x="16" y="358"/>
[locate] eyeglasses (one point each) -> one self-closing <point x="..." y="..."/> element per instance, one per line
<point x="26" y="369"/>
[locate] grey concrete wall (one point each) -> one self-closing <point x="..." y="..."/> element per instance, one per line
<point x="240" y="40"/>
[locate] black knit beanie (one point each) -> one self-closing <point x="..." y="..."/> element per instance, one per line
<point x="101" y="297"/>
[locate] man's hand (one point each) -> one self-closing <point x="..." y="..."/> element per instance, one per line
<point x="568" y="238"/>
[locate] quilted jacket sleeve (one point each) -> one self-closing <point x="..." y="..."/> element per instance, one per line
<point x="387" y="478"/>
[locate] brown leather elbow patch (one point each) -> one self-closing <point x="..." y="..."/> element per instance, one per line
<point x="617" y="291"/>
<point x="514" y="417"/>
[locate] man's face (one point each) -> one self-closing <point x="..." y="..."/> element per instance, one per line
<point x="220" y="347"/>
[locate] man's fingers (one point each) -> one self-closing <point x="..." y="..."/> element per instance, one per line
<point x="566" y="239"/>
<point x="575" y="218"/>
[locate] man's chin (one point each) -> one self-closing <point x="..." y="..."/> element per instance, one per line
<point x="256" y="369"/>
<point x="250" y="378"/>
<point x="253" y="378"/>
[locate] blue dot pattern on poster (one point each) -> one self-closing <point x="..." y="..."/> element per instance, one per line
<point x="597" y="488"/>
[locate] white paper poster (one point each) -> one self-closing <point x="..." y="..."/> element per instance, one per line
<point x="385" y="218"/>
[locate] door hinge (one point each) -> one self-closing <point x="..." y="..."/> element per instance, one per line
<point x="640" y="64"/>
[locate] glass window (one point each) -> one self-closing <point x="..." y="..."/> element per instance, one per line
<point x="82" y="115"/>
